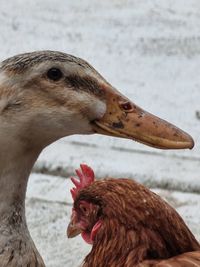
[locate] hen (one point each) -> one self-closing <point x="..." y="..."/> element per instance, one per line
<point x="128" y="225"/>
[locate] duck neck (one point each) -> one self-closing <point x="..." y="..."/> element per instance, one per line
<point x="16" y="163"/>
<point x="16" y="245"/>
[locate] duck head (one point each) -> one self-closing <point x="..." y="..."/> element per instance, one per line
<point x="47" y="95"/>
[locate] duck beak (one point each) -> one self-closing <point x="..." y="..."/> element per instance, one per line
<point x="125" y="119"/>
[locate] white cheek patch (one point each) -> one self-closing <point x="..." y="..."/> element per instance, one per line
<point x="93" y="107"/>
<point x="100" y="109"/>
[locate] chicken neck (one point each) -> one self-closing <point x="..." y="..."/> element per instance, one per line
<point x="115" y="246"/>
<point x="119" y="245"/>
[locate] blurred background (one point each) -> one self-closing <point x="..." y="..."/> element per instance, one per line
<point x="150" y="51"/>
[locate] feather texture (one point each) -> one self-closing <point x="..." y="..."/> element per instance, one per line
<point x="138" y="228"/>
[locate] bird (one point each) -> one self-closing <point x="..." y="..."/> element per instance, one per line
<point x="47" y="95"/>
<point x="128" y="225"/>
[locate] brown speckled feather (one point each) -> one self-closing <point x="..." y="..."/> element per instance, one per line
<point x="16" y="246"/>
<point x="16" y="258"/>
<point x="189" y="259"/>
<point x="137" y="225"/>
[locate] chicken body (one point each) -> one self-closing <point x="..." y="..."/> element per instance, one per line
<point x="189" y="259"/>
<point x="128" y="225"/>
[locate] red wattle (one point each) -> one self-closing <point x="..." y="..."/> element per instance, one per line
<point x="89" y="237"/>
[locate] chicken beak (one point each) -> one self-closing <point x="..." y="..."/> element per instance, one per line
<point x="73" y="230"/>
<point x="125" y="119"/>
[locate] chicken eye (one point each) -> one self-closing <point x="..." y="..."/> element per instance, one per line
<point x="54" y="74"/>
<point x="83" y="209"/>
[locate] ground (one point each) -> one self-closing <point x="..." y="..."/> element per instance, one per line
<point x="150" y="51"/>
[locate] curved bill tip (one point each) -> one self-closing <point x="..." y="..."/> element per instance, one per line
<point x="189" y="143"/>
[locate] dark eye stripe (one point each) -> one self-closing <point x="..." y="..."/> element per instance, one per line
<point x="85" y="83"/>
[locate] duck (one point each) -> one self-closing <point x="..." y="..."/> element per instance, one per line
<point x="47" y="95"/>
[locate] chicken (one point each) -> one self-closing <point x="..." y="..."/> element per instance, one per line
<point x="128" y="225"/>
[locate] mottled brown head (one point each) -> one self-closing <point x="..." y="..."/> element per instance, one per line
<point x="47" y="95"/>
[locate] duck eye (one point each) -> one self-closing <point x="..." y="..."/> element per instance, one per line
<point x="54" y="74"/>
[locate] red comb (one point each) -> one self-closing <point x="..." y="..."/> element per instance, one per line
<point x="86" y="177"/>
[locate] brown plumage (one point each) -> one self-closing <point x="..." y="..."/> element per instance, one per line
<point x="128" y="225"/>
<point x="189" y="259"/>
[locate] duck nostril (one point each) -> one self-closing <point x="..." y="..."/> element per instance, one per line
<point x="126" y="106"/>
